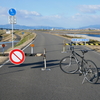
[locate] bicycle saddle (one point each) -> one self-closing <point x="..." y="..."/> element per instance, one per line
<point x="84" y="51"/>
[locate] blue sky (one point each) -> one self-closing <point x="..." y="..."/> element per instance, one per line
<point x="58" y="13"/>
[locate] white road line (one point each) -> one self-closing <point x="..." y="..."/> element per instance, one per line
<point x="27" y="45"/>
<point x="22" y="50"/>
<point x="4" y="63"/>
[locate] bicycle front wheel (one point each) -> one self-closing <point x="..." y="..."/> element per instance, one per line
<point x="69" y="65"/>
<point x="91" y="72"/>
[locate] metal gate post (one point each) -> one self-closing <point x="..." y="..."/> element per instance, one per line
<point x="44" y="58"/>
<point x="64" y="47"/>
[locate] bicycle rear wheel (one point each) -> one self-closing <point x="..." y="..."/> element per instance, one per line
<point x="91" y="71"/>
<point x="68" y="65"/>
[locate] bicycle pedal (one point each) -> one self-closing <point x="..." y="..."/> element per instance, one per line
<point x="72" y="57"/>
<point x="80" y="74"/>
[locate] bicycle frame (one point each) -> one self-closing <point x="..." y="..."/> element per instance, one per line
<point x="87" y="68"/>
<point x="74" y="54"/>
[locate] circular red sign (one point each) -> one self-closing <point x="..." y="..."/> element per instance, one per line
<point x="17" y="56"/>
<point x="3" y="45"/>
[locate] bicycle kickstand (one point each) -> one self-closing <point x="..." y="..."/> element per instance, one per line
<point x="85" y="78"/>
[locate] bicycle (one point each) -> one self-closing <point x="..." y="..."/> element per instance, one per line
<point x="71" y="64"/>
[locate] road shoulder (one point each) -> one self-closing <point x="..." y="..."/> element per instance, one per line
<point x="3" y="59"/>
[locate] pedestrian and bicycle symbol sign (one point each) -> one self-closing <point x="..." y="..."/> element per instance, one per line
<point x="79" y="40"/>
<point x="17" y="56"/>
<point x="12" y="12"/>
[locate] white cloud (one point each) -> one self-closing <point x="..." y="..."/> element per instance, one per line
<point x="84" y="20"/>
<point x="77" y="16"/>
<point x="33" y="18"/>
<point x="56" y="16"/>
<point x="3" y="15"/>
<point x="3" y="11"/>
<point x="24" y="14"/>
<point x="89" y="8"/>
<point x="29" y="13"/>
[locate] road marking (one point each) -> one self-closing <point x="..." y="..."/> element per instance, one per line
<point x="22" y="50"/>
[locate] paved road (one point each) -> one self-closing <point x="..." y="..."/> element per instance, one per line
<point x="28" y="82"/>
<point x="8" y="45"/>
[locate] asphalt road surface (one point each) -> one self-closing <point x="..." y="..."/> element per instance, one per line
<point x="28" y="82"/>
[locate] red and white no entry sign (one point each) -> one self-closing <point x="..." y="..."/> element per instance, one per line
<point x="17" y="56"/>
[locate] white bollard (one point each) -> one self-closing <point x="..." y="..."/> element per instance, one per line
<point x="32" y="50"/>
<point x="45" y="65"/>
<point x="64" y="47"/>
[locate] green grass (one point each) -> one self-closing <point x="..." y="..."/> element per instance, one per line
<point x="24" y="39"/>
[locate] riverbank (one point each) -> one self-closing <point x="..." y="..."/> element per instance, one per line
<point x="84" y="36"/>
<point x="21" y="45"/>
<point x="60" y="33"/>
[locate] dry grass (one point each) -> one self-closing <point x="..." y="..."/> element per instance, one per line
<point x="30" y="38"/>
<point x="93" y="47"/>
<point x="6" y="37"/>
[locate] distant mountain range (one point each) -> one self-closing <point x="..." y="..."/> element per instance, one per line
<point x="91" y="27"/>
<point x="16" y="26"/>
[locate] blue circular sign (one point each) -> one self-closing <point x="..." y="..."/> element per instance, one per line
<point x="22" y="32"/>
<point x="12" y="12"/>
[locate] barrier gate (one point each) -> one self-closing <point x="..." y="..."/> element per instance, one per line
<point x="76" y="44"/>
<point x="35" y="55"/>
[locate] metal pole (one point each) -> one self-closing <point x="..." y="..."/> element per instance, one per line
<point x="64" y="47"/>
<point x="45" y="64"/>
<point x="44" y="59"/>
<point x="3" y="50"/>
<point x="32" y="51"/>
<point x="12" y="33"/>
<point x="85" y="42"/>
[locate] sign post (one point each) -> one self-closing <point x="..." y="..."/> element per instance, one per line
<point x="32" y="50"/>
<point x="12" y="18"/>
<point x="3" y="46"/>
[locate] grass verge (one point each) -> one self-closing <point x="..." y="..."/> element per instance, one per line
<point x="25" y="40"/>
